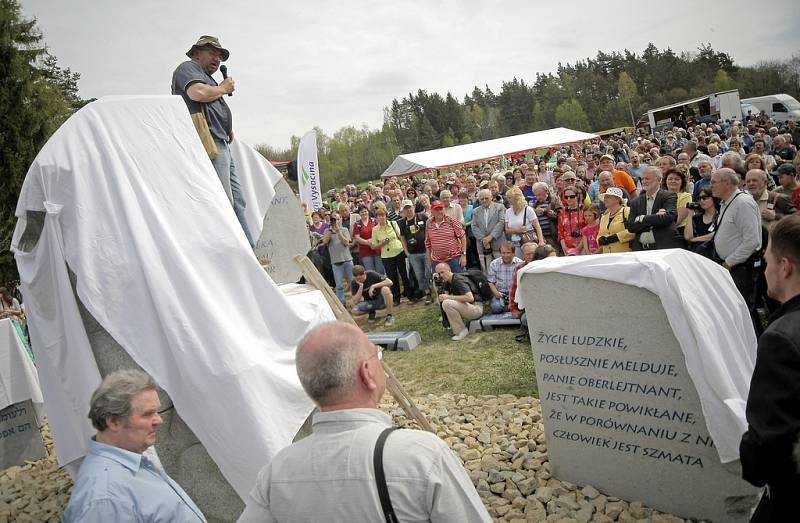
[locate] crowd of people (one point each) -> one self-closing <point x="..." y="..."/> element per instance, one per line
<point x="727" y="191"/>
<point x="637" y="191"/>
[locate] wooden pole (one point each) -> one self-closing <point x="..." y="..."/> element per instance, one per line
<point x="313" y="277"/>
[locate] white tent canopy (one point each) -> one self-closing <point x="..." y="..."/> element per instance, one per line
<point x="407" y="164"/>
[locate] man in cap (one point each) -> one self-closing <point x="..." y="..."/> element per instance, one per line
<point x="202" y="94"/>
<point x="445" y="239"/>
<point x="787" y="181"/>
<point x="621" y="178"/>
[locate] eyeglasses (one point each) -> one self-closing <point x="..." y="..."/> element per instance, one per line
<point x="379" y="353"/>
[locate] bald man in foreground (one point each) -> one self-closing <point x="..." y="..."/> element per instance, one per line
<point x="331" y="475"/>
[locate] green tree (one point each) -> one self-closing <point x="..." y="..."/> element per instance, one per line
<point x="723" y="81"/>
<point x="570" y="114"/>
<point x="627" y="90"/>
<point x="36" y="96"/>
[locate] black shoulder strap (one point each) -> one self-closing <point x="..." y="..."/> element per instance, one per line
<point x="380" y="478"/>
<point x="718" y="221"/>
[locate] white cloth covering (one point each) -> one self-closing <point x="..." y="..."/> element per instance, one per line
<point x="258" y="178"/>
<point x="135" y="210"/>
<point x="18" y="378"/>
<point x="707" y="315"/>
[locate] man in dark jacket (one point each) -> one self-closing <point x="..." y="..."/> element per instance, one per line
<point x="653" y="213"/>
<point x="773" y="405"/>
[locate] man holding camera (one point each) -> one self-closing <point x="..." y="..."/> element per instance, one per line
<point x="500" y="277"/>
<point x="338" y="240"/>
<point x="412" y="234"/>
<point x="458" y="302"/>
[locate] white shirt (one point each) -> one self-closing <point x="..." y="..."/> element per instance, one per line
<point x="329" y="476"/>
<point x="739" y="231"/>
<point x="514" y="220"/>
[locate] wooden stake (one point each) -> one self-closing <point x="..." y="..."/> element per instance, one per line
<point x="313" y="277"/>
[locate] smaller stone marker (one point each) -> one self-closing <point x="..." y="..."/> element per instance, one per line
<point x="283" y="236"/>
<point x="619" y="408"/>
<point x="20" y="438"/>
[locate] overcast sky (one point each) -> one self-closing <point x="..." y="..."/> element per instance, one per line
<point x="332" y="64"/>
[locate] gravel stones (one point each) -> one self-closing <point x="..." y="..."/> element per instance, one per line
<point x="500" y="440"/>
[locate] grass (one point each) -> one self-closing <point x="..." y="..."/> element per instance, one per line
<point x="483" y="363"/>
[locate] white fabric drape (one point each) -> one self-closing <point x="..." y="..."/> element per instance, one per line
<point x="708" y="317"/>
<point x="137" y="212"/>
<point x="18" y="378"/>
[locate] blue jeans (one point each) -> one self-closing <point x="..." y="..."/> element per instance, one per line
<point x="373" y="263"/>
<point x="455" y="266"/>
<point x="498" y="305"/>
<point x="422" y="271"/>
<point x="226" y="170"/>
<point x="371" y="305"/>
<point x="341" y="270"/>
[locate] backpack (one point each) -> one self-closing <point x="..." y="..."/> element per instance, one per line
<point x="478" y="284"/>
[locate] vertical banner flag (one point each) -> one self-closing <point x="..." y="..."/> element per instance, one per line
<point x="308" y="171"/>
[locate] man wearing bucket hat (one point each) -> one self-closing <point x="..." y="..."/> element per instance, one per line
<point x="212" y="117"/>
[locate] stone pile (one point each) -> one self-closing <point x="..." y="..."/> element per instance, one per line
<point x="500" y="439"/>
<point x="37" y="491"/>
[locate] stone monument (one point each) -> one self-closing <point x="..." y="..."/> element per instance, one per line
<point x="283" y="236"/>
<point x="620" y="410"/>
<point x="20" y="438"/>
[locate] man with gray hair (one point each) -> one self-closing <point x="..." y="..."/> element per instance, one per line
<point x="121" y="478"/>
<point x="737" y="238"/>
<point x="331" y="474"/>
<point x="488" y="222"/>
<point x="653" y="213"/>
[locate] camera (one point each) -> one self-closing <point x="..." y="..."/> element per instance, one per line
<point x="575" y="234"/>
<point x="695" y="206"/>
<point x="439" y="282"/>
<point x="333" y="220"/>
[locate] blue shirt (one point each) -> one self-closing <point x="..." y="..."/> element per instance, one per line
<point x="218" y="114"/>
<point x="114" y="484"/>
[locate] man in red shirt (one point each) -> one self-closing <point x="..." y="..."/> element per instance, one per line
<point x="445" y="240"/>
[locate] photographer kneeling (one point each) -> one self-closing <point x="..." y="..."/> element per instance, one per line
<point x="458" y="302"/>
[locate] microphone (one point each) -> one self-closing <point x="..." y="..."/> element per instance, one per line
<point x="224" y="70"/>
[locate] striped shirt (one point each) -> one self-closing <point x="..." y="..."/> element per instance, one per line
<point x="443" y="239"/>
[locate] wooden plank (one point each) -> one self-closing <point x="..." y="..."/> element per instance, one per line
<point x="313" y="277"/>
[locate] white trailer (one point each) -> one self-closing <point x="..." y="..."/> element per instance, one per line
<point x="723" y="105"/>
<point x="779" y="107"/>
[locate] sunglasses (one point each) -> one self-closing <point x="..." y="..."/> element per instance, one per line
<point x="704" y="198"/>
<point x="570" y="196"/>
